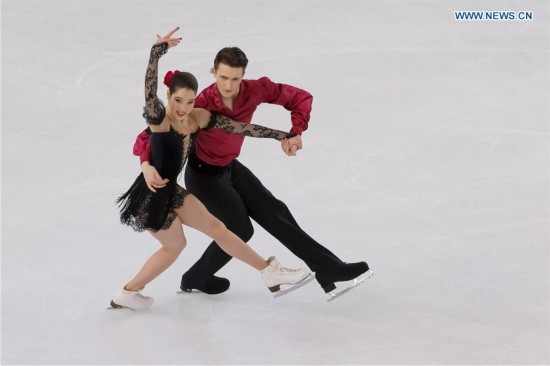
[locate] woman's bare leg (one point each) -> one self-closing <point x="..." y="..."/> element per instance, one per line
<point x="172" y="241"/>
<point x="194" y="214"/>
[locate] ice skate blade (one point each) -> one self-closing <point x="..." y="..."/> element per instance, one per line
<point x="303" y="282"/>
<point x="194" y="291"/>
<point x="356" y="282"/>
<point x="117" y="307"/>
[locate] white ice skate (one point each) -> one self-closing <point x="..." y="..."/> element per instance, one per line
<point x="274" y="276"/>
<point x="131" y="299"/>
<point x="356" y="282"/>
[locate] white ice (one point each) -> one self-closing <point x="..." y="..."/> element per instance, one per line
<point x="427" y="155"/>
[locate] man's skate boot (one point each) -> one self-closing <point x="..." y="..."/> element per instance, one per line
<point x="343" y="272"/>
<point x="274" y="275"/>
<point x="131" y="299"/>
<point x="212" y="286"/>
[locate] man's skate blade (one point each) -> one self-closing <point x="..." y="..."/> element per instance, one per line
<point x="305" y="281"/>
<point x="356" y="282"/>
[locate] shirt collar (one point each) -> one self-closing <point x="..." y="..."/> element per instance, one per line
<point x="218" y="98"/>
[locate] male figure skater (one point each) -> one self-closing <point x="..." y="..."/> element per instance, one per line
<point x="230" y="191"/>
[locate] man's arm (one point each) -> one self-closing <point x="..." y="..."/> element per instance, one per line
<point x="142" y="147"/>
<point x="295" y="100"/>
<point x="298" y="102"/>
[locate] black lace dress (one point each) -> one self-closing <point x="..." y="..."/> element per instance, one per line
<point x="143" y="209"/>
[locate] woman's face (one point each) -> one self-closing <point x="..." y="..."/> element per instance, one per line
<point x="180" y="103"/>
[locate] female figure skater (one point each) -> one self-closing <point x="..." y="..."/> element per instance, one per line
<point x="162" y="213"/>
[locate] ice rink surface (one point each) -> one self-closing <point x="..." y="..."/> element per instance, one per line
<point x="427" y="155"/>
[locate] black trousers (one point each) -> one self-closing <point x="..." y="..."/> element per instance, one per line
<point x="235" y="195"/>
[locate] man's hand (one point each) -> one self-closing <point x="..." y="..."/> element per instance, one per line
<point x="291" y="145"/>
<point x="152" y="177"/>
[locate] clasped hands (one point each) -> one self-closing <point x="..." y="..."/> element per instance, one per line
<point x="291" y="145"/>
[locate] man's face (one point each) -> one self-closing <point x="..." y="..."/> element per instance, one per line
<point x="228" y="80"/>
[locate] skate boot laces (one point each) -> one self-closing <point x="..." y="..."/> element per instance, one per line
<point x="289" y="271"/>
<point x="140" y="295"/>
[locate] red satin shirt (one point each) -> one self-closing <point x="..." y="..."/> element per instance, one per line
<point x="216" y="147"/>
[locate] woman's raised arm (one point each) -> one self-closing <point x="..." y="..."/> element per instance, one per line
<point x="153" y="112"/>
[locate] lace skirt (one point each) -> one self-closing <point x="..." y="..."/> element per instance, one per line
<point x="143" y="210"/>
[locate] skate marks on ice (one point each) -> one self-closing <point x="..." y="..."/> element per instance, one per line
<point x="356" y="282"/>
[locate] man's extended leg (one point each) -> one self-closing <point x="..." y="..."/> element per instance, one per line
<point x="216" y="192"/>
<point x="275" y="217"/>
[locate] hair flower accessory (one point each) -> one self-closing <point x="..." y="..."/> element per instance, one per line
<point x="168" y="77"/>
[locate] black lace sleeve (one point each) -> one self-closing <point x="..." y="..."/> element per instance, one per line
<point x="154" y="111"/>
<point x="245" y="129"/>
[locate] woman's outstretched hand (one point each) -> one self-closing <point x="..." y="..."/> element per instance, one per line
<point x="172" y="42"/>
